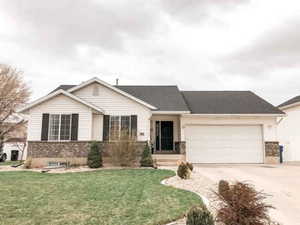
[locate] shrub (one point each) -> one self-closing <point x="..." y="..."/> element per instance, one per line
<point x="242" y="205"/>
<point x="223" y="189"/>
<point x="190" y="165"/>
<point x="124" y="152"/>
<point x="146" y="160"/>
<point x="183" y="171"/>
<point x="94" y="156"/>
<point x="199" y="215"/>
<point x="28" y="163"/>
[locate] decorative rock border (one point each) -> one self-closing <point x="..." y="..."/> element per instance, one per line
<point x="205" y="201"/>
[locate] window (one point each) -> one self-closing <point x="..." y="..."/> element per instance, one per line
<point x="65" y="127"/>
<point x="59" y="127"/>
<point x="53" y="127"/>
<point x="125" y="126"/>
<point x="114" y="127"/>
<point x="119" y="127"/>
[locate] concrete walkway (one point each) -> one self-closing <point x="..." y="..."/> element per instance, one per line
<point x="280" y="181"/>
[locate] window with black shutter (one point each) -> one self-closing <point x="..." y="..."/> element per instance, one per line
<point x="60" y="127"/>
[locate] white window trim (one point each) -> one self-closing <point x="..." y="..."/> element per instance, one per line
<point x="59" y="126"/>
<point x="120" y="116"/>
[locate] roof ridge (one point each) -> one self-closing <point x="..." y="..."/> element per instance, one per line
<point x="290" y="101"/>
<point x="145" y="85"/>
<point x="185" y="101"/>
<point x="219" y="91"/>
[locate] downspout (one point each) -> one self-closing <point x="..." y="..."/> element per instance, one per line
<point x="279" y="121"/>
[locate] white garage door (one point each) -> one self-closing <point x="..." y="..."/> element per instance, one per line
<point x="224" y="144"/>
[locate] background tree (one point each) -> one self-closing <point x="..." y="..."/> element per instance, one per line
<point x="14" y="93"/>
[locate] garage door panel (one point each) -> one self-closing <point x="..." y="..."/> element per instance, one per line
<point x="224" y="144"/>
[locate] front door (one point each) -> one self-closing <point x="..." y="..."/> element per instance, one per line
<point x="164" y="135"/>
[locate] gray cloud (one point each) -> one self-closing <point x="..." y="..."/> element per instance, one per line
<point x="270" y="63"/>
<point x="136" y="40"/>
<point x="61" y="25"/>
<point x="197" y="11"/>
<point x="276" y="49"/>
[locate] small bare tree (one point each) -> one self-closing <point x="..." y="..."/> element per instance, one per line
<point x="124" y="151"/>
<point x="14" y="93"/>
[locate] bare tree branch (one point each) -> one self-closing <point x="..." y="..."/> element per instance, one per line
<point x="14" y="93"/>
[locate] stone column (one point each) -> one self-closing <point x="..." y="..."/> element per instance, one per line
<point x="180" y="147"/>
<point x="272" y="152"/>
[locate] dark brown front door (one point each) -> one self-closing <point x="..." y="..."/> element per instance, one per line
<point x="164" y="135"/>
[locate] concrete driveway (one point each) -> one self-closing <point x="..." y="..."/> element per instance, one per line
<point x="280" y="181"/>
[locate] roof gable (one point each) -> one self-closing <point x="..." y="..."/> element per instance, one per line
<point x="56" y="93"/>
<point x="95" y="79"/>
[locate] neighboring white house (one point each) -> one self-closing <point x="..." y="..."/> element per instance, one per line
<point x="204" y="126"/>
<point x="288" y="129"/>
<point x="15" y="149"/>
<point x="15" y="145"/>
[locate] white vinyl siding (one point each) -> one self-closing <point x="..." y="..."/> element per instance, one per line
<point x="268" y="123"/>
<point x="289" y="134"/>
<point x="97" y="127"/>
<point x="60" y="105"/>
<point x="115" y="104"/>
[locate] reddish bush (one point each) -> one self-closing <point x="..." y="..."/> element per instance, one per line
<point x="223" y="189"/>
<point x="241" y="204"/>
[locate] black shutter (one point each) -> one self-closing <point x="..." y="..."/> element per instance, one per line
<point x="74" y="127"/>
<point x="105" y="127"/>
<point x="45" y="127"/>
<point x="134" y="126"/>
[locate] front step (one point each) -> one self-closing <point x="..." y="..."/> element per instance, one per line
<point x="168" y="160"/>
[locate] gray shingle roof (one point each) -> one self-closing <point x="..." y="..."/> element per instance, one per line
<point x="291" y="101"/>
<point x="170" y="98"/>
<point x="165" y="98"/>
<point x="228" y="102"/>
<point x="64" y="87"/>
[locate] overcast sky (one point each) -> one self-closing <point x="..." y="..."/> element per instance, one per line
<point x="196" y="44"/>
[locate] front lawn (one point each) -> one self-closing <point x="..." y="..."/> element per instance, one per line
<point x="10" y="163"/>
<point x="114" y="197"/>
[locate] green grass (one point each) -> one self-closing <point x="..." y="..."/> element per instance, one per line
<point x="9" y="163"/>
<point x="114" y="197"/>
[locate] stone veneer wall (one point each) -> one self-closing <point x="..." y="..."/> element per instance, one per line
<point x="180" y="147"/>
<point x="71" y="149"/>
<point x="272" y="152"/>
